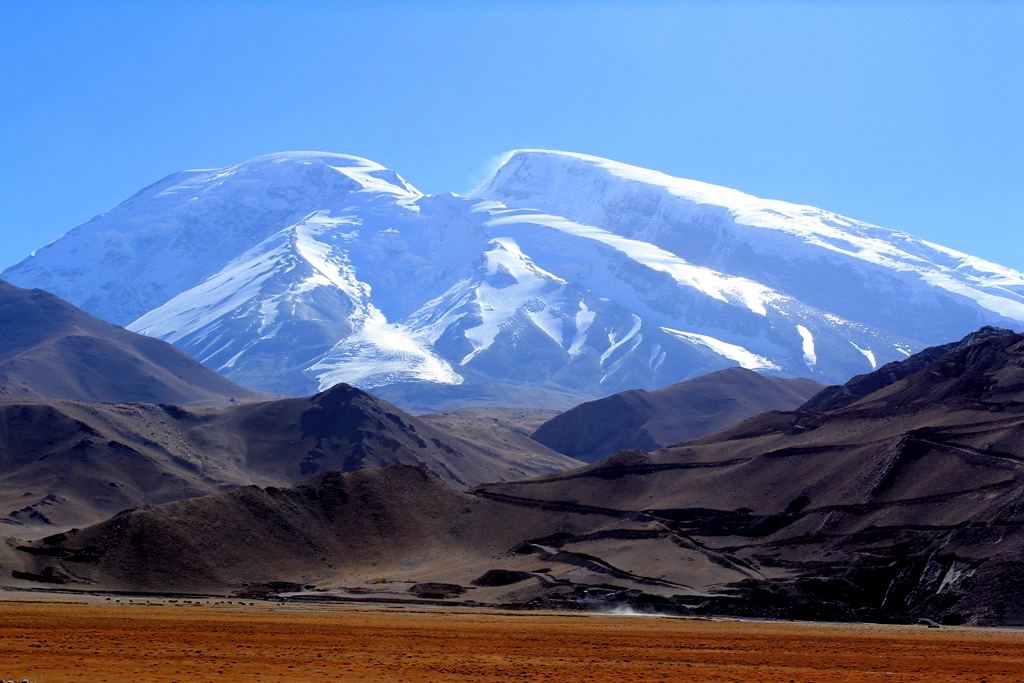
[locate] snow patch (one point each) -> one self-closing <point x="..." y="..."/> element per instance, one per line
<point x="728" y="289"/>
<point x="615" y="344"/>
<point x="378" y="353"/>
<point x="223" y="294"/>
<point x="810" y="358"/>
<point x="584" y="319"/>
<point x="497" y="305"/>
<point x="869" y="354"/>
<point x="743" y="357"/>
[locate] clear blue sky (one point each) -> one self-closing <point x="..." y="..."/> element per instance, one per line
<point x="908" y="115"/>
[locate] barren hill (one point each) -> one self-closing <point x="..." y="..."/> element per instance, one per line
<point x="902" y="505"/>
<point x="49" y="348"/>
<point x="65" y="464"/>
<point x="650" y="420"/>
<point x="364" y="524"/>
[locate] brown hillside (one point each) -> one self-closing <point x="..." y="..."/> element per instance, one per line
<point x="650" y="420"/>
<point x="65" y="464"/>
<point x="904" y="505"/>
<point x="49" y="348"/>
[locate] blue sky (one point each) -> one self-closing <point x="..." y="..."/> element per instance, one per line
<point x="908" y="115"/>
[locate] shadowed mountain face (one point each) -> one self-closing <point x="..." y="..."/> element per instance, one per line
<point x="650" y="420"/>
<point x="833" y="397"/>
<point x="49" y="348"/>
<point x="65" y="464"/>
<point x="905" y="504"/>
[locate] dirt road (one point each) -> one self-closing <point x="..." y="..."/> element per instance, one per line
<point x="51" y="642"/>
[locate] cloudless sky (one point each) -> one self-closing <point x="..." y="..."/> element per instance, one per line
<point x="907" y="115"/>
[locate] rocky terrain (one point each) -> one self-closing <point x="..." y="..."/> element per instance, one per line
<point x="65" y="464"/>
<point x="902" y="505"/>
<point x="649" y="420"/>
<point x="52" y="349"/>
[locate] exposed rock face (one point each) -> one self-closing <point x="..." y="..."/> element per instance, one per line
<point x="860" y="386"/>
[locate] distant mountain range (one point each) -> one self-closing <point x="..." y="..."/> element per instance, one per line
<point x="562" y="278"/>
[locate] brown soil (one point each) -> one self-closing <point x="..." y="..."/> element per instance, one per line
<point x="108" y="641"/>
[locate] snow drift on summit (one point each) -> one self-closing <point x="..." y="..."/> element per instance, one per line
<point x="564" y="275"/>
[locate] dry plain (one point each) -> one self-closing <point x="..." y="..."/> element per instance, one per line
<point x="51" y="641"/>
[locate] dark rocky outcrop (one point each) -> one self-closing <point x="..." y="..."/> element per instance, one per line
<point x="840" y="395"/>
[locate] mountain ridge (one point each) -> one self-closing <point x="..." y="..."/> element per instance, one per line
<point x="640" y="420"/>
<point x="69" y="464"/>
<point x="902" y="506"/>
<point x="52" y="349"/>
<point x="564" y="273"/>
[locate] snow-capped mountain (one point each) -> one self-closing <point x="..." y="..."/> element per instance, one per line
<point x="855" y="270"/>
<point x="563" y="273"/>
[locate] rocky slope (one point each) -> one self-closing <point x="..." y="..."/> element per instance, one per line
<point x="860" y="386"/>
<point x="903" y="505"/>
<point x="561" y="279"/>
<point x="52" y="349"/>
<point x="649" y="420"/>
<point x="65" y="464"/>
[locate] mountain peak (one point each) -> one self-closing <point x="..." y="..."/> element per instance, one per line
<point x="808" y="253"/>
<point x="370" y="175"/>
<point x="294" y="271"/>
<point x="174" y="234"/>
<point x="532" y="164"/>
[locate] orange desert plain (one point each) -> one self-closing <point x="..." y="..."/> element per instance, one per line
<point x="98" y="640"/>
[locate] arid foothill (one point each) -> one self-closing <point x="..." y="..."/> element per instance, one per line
<point x="895" y="506"/>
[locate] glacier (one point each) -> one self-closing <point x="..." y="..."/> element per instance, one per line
<point x="563" y="277"/>
<point x="852" y="269"/>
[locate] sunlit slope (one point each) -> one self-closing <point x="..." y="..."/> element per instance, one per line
<point x="568" y="276"/>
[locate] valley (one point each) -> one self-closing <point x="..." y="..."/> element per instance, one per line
<point x="164" y="642"/>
